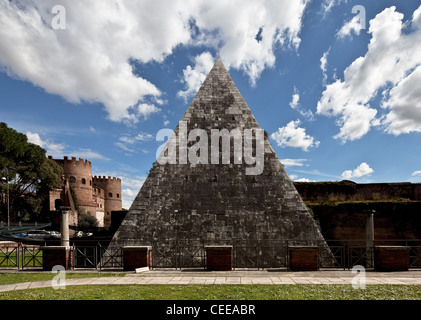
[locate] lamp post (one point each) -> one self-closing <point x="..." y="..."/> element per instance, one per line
<point x="8" y="199"/>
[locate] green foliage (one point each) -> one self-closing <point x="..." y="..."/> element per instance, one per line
<point x="74" y="198"/>
<point x="85" y="220"/>
<point x="50" y="174"/>
<point x="27" y="171"/>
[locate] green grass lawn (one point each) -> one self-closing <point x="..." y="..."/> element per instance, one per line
<point x="219" y="292"/>
<point x="197" y="292"/>
<point x="19" y="277"/>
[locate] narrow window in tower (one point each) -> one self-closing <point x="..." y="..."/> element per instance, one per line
<point x="72" y="180"/>
<point x="83" y="181"/>
<point x="118" y="195"/>
<point x="110" y="195"/>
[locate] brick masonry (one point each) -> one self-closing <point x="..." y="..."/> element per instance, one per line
<point x="214" y="203"/>
<point x="391" y="258"/>
<point x="303" y="258"/>
<point x="136" y="257"/>
<point x="57" y="255"/>
<point x="219" y="258"/>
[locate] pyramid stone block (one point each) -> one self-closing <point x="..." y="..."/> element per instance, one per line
<point x="201" y="204"/>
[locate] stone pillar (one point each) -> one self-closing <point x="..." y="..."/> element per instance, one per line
<point x="57" y="256"/>
<point x="218" y="258"/>
<point x="303" y="258"/>
<point x="65" y="226"/>
<point x="369" y="236"/>
<point x="137" y="257"/>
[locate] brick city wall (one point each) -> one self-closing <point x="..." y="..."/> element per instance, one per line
<point x="325" y="192"/>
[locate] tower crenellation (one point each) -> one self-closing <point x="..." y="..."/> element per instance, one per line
<point x="98" y="203"/>
<point x="112" y="194"/>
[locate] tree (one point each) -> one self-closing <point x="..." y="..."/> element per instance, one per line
<point x="28" y="173"/>
<point x="85" y="220"/>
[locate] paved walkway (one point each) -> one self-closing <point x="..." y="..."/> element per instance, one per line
<point x="185" y="277"/>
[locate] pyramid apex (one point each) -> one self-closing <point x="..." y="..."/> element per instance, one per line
<point x="219" y="62"/>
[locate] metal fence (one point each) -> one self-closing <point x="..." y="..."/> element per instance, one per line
<point x="91" y="254"/>
<point x="257" y="254"/>
<point x="96" y="255"/>
<point x="20" y="257"/>
<point x="253" y="254"/>
<point x="266" y="254"/>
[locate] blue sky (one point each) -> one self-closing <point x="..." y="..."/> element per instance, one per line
<point x="335" y="83"/>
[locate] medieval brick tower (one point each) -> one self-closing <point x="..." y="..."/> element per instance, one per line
<point x="112" y="195"/>
<point x="203" y="202"/>
<point x="95" y="195"/>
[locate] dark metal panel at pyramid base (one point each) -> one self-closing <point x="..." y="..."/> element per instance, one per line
<point x="217" y="203"/>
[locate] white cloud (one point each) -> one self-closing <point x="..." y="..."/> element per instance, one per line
<point x="295" y="99"/>
<point x="123" y="146"/>
<point x="89" y="154"/>
<point x="139" y="137"/>
<point x="391" y="64"/>
<point x="352" y="26"/>
<point x="127" y="143"/>
<point x="304" y="180"/>
<point x="327" y="5"/>
<point x="293" y="162"/>
<point x="58" y="150"/>
<point x="233" y="26"/>
<point x="145" y="110"/>
<point x="362" y="170"/>
<point x="193" y="77"/>
<point x="295" y="104"/>
<point x="144" y="137"/>
<point x="91" y="59"/>
<point x="416" y="173"/>
<point x="54" y="149"/>
<point x="323" y="65"/>
<point x="295" y="178"/>
<point x="404" y="103"/>
<point x="293" y="136"/>
<point x="128" y="140"/>
<point x="82" y="62"/>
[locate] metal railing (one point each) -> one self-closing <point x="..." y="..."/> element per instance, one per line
<point x="20" y="257"/>
<point x="266" y="254"/>
<point x="257" y="254"/>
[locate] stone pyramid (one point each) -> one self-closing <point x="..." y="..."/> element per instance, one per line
<point x="198" y="204"/>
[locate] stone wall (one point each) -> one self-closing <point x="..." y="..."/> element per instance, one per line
<point x="339" y="208"/>
<point x="325" y="192"/>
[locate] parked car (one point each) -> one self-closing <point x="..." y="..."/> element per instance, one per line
<point x="19" y="235"/>
<point x="82" y="234"/>
<point x="44" y="234"/>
